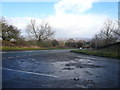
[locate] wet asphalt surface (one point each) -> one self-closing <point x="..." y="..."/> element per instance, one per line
<point x="58" y="69"/>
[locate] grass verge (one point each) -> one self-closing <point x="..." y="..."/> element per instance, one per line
<point x="99" y="53"/>
<point x="25" y="48"/>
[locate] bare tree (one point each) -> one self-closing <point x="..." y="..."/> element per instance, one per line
<point x="107" y="34"/>
<point x="41" y="32"/>
<point x="116" y="32"/>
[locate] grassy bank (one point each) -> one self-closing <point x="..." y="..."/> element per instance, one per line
<point x="103" y="53"/>
<point x="29" y="48"/>
<point x="13" y="46"/>
<point x="20" y="48"/>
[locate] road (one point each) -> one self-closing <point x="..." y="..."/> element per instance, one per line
<point x="58" y="69"/>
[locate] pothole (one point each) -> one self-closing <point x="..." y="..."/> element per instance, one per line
<point x="68" y="68"/>
<point x="80" y="65"/>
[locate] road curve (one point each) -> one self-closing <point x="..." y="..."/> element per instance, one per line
<point x="58" y="69"/>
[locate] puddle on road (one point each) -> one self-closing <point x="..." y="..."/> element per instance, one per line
<point x="72" y="70"/>
<point x="84" y="61"/>
<point x="78" y="63"/>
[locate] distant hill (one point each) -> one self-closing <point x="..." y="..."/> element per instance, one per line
<point x="76" y="39"/>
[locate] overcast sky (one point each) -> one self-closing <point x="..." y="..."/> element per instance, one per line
<point x="69" y="18"/>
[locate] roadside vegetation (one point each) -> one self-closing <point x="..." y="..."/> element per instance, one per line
<point x="25" y="48"/>
<point x="11" y="38"/>
<point x="7" y="45"/>
<point x="103" y="53"/>
<point x="40" y="36"/>
<point x="106" y="43"/>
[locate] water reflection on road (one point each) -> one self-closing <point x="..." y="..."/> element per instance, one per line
<point x="31" y="68"/>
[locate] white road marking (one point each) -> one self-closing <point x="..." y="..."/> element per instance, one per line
<point x="40" y="74"/>
<point x="28" y="51"/>
<point x="18" y="56"/>
<point x="51" y="52"/>
<point x="3" y="52"/>
<point x="10" y="57"/>
<point x="16" y="51"/>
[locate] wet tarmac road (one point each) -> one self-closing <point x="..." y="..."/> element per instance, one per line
<point x="58" y="69"/>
